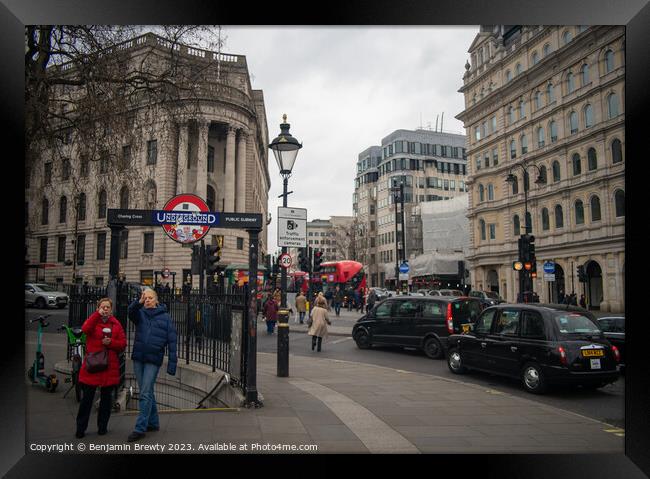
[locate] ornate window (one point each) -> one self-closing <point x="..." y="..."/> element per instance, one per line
<point x="589" y="116"/>
<point x="609" y="61"/>
<point x="617" y="151"/>
<point x="540" y="137"/>
<point x="482" y="226"/>
<point x="490" y="191"/>
<point x="124" y="198"/>
<point x="81" y="207"/>
<point x="45" y="211"/>
<point x="524" y="144"/>
<point x="566" y="37"/>
<point x="550" y="94"/>
<point x="481" y="193"/>
<point x="573" y="122"/>
<point x="516" y="225"/>
<point x="513" y="149"/>
<point x="545" y="220"/>
<point x="515" y="186"/>
<point x="585" y="74"/>
<point x="559" y="217"/>
<point x="101" y="204"/>
<point x="592" y="159"/>
<point x="595" y="208"/>
<point x="546" y="51"/>
<point x="577" y="166"/>
<point x="612" y="106"/>
<point x="556" y="171"/>
<point x="570" y="83"/>
<point x="553" y="131"/>
<point x="63" y="209"/>
<point x="619" y="201"/>
<point x="580" y="212"/>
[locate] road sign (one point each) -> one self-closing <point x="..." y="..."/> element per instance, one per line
<point x="549" y="276"/>
<point x="292" y="227"/>
<point x="185" y="217"/>
<point x="284" y="260"/>
<point x="404" y="267"/>
<point x="549" y="267"/>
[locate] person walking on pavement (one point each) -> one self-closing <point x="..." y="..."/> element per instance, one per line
<point x="301" y="306"/>
<point x="154" y="332"/>
<point x="338" y="300"/>
<point x="319" y="322"/>
<point x="329" y="295"/>
<point x="271" y="313"/>
<point x="358" y="300"/>
<point x="372" y="298"/>
<point x="103" y="331"/>
<point x="583" y="301"/>
<point x="350" y="295"/>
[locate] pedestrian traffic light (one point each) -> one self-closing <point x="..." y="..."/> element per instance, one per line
<point x="212" y="257"/>
<point x="318" y="259"/>
<point x="196" y="259"/>
<point x="582" y="275"/>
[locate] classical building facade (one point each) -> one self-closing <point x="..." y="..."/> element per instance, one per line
<point x="431" y="165"/>
<point x="548" y="100"/>
<point x="212" y="145"/>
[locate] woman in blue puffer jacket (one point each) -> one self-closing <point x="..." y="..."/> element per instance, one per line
<point x="154" y="332"/>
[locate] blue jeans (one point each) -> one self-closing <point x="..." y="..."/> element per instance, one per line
<point x="145" y="374"/>
<point x="270" y="325"/>
<point x="337" y="308"/>
<point x="302" y="317"/>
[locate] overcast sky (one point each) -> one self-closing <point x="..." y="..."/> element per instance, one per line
<point x="343" y="90"/>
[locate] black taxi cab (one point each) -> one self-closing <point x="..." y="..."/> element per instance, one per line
<point x="541" y="344"/>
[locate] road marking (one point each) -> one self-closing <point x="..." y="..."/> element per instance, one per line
<point x="374" y="433"/>
<point x="617" y="432"/>
<point x="340" y="340"/>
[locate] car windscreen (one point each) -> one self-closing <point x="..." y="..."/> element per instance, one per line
<point x="464" y="310"/>
<point x="492" y="295"/>
<point x="575" y="323"/>
<point x="45" y="287"/>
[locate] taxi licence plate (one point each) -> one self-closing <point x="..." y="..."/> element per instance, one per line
<point x="595" y="363"/>
<point x="590" y="353"/>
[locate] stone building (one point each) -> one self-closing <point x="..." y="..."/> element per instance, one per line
<point x="432" y="167"/>
<point x="331" y="237"/>
<point x="213" y="145"/>
<point x="553" y="97"/>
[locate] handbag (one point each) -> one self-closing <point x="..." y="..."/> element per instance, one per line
<point x="309" y="322"/>
<point x="97" y="361"/>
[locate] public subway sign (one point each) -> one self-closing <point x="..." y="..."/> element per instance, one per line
<point x="185" y="219"/>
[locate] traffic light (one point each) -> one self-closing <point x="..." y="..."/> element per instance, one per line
<point x="212" y="257"/>
<point x="582" y="275"/>
<point x="524" y="248"/>
<point x="531" y="256"/>
<point x="196" y="259"/>
<point x="303" y="260"/>
<point x="318" y="259"/>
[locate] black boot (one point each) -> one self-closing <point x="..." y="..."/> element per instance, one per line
<point x="320" y="340"/>
<point x="313" y="342"/>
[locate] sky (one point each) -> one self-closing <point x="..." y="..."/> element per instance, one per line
<point x="343" y="89"/>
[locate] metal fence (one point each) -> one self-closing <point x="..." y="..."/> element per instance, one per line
<point x="210" y="327"/>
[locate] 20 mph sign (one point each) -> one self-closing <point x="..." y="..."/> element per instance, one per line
<point x="284" y="260"/>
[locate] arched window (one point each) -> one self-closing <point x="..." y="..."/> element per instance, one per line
<point x="573" y="122"/>
<point x="580" y="212"/>
<point x="516" y="225"/>
<point x="550" y="94"/>
<point x="81" y="207"/>
<point x="45" y="211"/>
<point x="490" y="191"/>
<point x="511" y="115"/>
<point x="482" y="226"/>
<point x="559" y="217"/>
<point x="124" y="198"/>
<point x="543" y="174"/>
<point x="589" y="116"/>
<point x="508" y="76"/>
<point x="538" y="100"/>
<point x="540" y="137"/>
<point x="63" y="209"/>
<point x="535" y="58"/>
<point x="585" y="74"/>
<point x="566" y="37"/>
<point x="101" y="204"/>
<point x="617" y="151"/>
<point x="545" y="221"/>
<point x="481" y="193"/>
<point x="556" y="171"/>
<point x="570" y="83"/>
<point x="609" y="61"/>
<point x="513" y="149"/>
<point x="518" y="69"/>
<point x="515" y="186"/>
<point x="522" y="112"/>
<point x="211" y="198"/>
<point x="592" y="160"/>
<point x="612" y="106"/>
<point x="575" y="161"/>
<point x="524" y="144"/>
<point x="553" y="131"/>
<point x="546" y="51"/>
<point x="529" y="223"/>
<point x="595" y="208"/>
<point x="619" y="200"/>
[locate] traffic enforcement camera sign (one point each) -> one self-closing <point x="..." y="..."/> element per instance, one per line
<point x="292" y="227"/>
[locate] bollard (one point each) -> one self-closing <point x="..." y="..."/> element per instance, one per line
<point x="283" y="343"/>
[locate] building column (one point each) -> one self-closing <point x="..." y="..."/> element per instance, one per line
<point x="181" y="167"/>
<point x="240" y="191"/>
<point x="230" y="171"/>
<point x="202" y="160"/>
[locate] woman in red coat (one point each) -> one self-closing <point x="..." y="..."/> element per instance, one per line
<point x="102" y="330"/>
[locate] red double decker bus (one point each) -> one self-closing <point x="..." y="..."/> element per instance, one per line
<point x="343" y="273"/>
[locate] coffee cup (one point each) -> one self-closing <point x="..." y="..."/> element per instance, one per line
<point x="107" y="332"/>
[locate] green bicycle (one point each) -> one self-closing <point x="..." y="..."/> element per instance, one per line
<point x="77" y="344"/>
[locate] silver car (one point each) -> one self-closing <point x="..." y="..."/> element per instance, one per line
<point x="44" y="296"/>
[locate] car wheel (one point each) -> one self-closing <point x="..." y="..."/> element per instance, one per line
<point x="362" y="338"/>
<point x="533" y="379"/>
<point x="455" y="362"/>
<point x="40" y="303"/>
<point x="432" y="348"/>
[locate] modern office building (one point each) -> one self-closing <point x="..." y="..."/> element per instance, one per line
<point x="548" y="100"/>
<point x="213" y="145"/>
<point x="431" y="165"/>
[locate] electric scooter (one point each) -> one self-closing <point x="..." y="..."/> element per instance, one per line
<point x="36" y="373"/>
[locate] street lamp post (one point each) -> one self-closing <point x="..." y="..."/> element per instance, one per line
<point x="285" y="148"/>
<point x="396" y="199"/>
<point x="525" y="280"/>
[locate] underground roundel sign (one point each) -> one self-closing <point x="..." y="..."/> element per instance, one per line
<point x="185" y="218"/>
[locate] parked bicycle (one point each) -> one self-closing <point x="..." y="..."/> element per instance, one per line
<point x="77" y="345"/>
